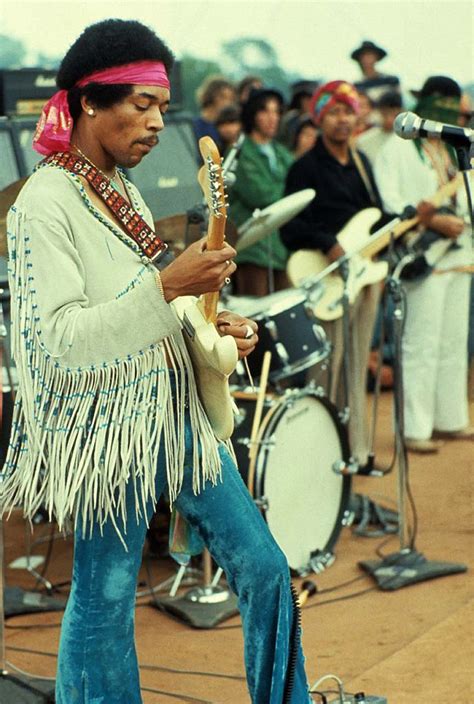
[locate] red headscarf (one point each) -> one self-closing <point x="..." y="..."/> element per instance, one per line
<point x="331" y="93"/>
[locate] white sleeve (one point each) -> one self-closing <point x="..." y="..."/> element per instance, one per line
<point x="388" y="173"/>
<point x="47" y="269"/>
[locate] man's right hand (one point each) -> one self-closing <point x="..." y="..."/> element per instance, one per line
<point x="198" y="270"/>
<point x="335" y="252"/>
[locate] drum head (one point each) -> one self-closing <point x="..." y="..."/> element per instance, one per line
<point x="306" y="498"/>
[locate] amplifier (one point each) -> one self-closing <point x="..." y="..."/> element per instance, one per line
<point x="24" y="91"/>
<point x="167" y="176"/>
<point x="10" y="162"/>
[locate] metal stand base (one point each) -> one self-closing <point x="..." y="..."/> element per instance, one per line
<point x="400" y="569"/>
<point x="17" y="601"/>
<point x="203" y="607"/>
<point x="15" y="689"/>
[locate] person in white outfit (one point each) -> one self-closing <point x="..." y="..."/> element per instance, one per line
<point x="434" y="345"/>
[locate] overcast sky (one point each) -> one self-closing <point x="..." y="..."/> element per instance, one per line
<point x="313" y="38"/>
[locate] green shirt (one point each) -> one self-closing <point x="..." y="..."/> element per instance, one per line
<point x="259" y="184"/>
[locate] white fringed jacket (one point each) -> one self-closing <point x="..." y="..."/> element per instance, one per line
<point x="91" y="334"/>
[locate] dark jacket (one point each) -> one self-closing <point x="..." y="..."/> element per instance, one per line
<point x="340" y="194"/>
<point x="257" y="186"/>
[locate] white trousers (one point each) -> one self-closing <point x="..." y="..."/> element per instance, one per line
<point x="434" y="349"/>
<point x="363" y="314"/>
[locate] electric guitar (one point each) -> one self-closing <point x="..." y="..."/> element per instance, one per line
<point x="214" y="357"/>
<point x="355" y="238"/>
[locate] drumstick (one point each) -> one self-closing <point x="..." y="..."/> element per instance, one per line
<point x="267" y="357"/>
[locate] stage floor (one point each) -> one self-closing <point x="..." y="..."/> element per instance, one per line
<point x="413" y="645"/>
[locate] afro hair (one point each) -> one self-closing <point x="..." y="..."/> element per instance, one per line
<point x="111" y="43"/>
<point x="103" y="45"/>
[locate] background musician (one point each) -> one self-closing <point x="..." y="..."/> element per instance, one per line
<point x="344" y="185"/>
<point x="436" y="328"/>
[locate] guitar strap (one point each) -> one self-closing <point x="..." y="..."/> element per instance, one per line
<point x="364" y="175"/>
<point x="150" y="243"/>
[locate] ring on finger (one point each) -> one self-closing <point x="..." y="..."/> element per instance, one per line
<point x="227" y="280"/>
<point x="248" y="332"/>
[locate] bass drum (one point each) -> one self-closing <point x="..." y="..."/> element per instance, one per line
<point x="304" y="501"/>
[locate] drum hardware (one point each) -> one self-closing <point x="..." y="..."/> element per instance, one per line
<point x="319" y="561"/>
<point x="283" y="354"/>
<point x="268" y="444"/>
<point x="348" y="517"/>
<point x="344" y="416"/>
<point x="345" y="468"/>
<point x="272" y="329"/>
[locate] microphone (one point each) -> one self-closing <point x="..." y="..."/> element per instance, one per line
<point x="407" y="125"/>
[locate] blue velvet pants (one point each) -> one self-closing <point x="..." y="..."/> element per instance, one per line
<point x="97" y="659"/>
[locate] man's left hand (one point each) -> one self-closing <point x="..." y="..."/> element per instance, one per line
<point x="243" y="330"/>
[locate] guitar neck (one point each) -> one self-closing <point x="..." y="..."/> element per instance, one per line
<point x="378" y="242"/>
<point x="212" y="183"/>
<point x="215" y="240"/>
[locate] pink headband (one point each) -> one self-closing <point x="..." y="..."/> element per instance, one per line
<point x="54" y="128"/>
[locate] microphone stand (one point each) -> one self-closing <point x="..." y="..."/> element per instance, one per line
<point x="464" y="162"/>
<point x="407" y="566"/>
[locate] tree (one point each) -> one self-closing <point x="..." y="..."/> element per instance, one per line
<point x="251" y="55"/>
<point x="12" y="52"/>
<point x="193" y="72"/>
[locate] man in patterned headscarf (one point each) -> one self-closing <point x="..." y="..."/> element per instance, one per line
<point x="344" y="185"/>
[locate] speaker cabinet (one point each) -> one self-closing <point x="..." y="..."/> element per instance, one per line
<point x="167" y="176"/>
<point x="24" y="130"/>
<point x="9" y="151"/>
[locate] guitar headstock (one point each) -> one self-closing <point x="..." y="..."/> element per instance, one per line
<point x="211" y="178"/>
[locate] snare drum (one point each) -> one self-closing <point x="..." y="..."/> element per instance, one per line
<point x="304" y="501"/>
<point x="288" y="329"/>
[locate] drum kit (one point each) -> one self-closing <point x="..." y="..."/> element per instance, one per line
<point x="299" y="474"/>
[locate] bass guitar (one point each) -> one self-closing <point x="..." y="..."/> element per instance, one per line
<point x="306" y="265"/>
<point x="214" y="357"/>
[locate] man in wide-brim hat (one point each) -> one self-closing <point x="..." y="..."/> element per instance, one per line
<point x="373" y="82"/>
<point x="368" y="48"/>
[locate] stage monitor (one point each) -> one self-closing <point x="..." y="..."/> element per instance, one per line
<point x="9" y="167"/>
<point x="24" y="129"/>
<point x="167" y="176"/>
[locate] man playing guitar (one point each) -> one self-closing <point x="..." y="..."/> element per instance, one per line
<point x="107" y="414"/>
<point x="344" y="186"/>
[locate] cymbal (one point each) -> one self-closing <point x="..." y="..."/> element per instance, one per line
<point x="265" y="221"/>
<point x="7" y="197"/>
